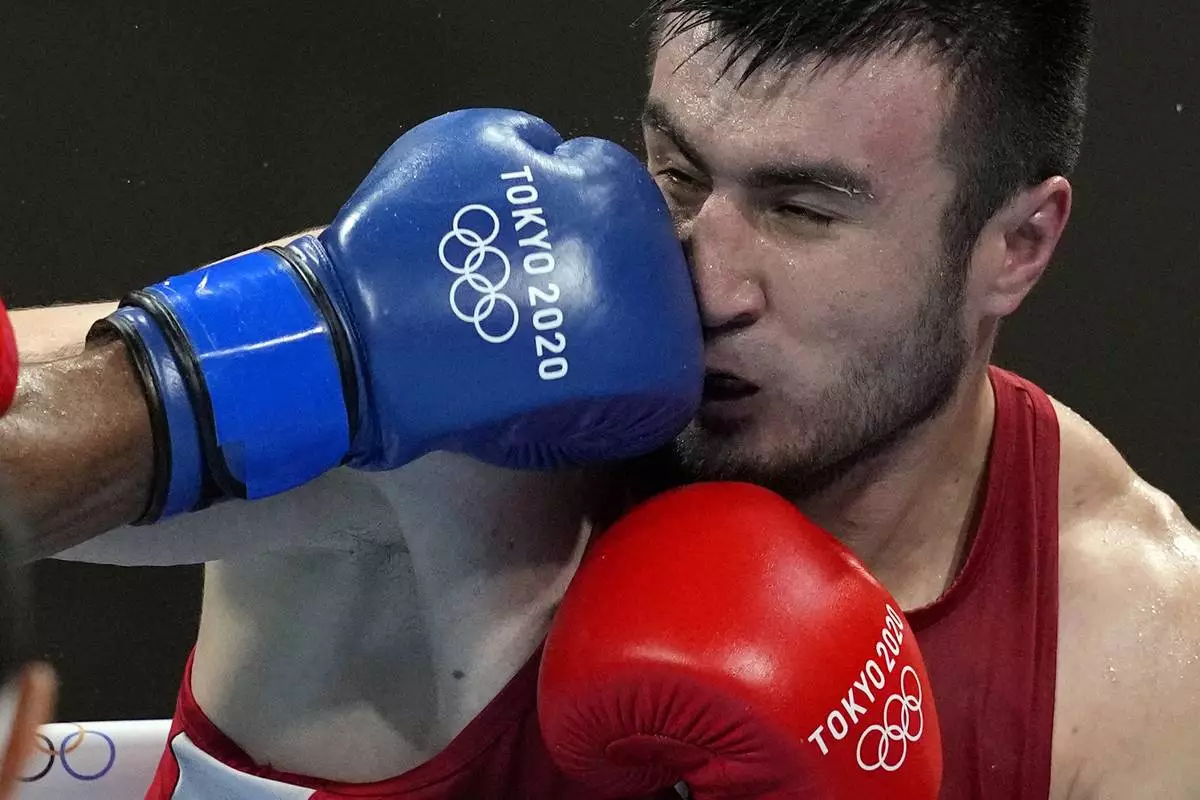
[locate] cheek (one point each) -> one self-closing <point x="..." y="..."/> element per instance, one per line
<point x="842" y="294"/>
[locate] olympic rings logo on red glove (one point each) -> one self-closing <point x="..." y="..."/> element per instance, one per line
<point x="907" y="704"/>
<point x="883" y="745"/>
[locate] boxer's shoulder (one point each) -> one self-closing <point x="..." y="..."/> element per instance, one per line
<point x="451" y="496"/>
<point x="1108" y="512"/>
<point x="1128" y="688"/>
<point x="435" y="582"/>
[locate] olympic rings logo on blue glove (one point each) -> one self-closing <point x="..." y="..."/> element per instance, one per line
<point x="480" y="256"/>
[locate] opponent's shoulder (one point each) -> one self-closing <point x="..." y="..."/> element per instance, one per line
<point x="1129" y="628"/>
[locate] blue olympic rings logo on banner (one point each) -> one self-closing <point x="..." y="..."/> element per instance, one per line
<point x="68" y="747"/>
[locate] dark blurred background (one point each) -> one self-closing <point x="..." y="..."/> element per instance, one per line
<point x="140" y="138"/>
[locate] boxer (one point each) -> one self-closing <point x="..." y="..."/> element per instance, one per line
<point x="863" y="193"/>
<point x="325" y="329"/>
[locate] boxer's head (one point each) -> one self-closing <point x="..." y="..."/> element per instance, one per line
<point x="865" y="188"/>
<point x="26" y="689"/>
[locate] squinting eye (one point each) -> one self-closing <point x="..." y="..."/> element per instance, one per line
<point x="677" y="176"/>
<point x="808" y="215"/>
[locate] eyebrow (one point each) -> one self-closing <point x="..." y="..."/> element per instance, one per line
<point x="655" y="115"/>
<point x="827" y="176"/>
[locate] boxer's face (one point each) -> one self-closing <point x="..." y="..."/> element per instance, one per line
<point x="812" y="207"/>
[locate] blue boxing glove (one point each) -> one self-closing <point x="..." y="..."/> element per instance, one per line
<point x="488" y="289"/>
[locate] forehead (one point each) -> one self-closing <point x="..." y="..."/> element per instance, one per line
<point x="884" y="114"/>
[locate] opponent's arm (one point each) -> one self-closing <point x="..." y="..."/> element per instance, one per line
<point x="471" y="296"/>
<point x="55" y="332"/>
<point x="77" y="446"/>
<point x="51" y="333"/>
<point x="55" y="386"/>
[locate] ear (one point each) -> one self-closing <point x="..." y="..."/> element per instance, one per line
<point x="1024" y="235"/>
<point x="37" y="688"/>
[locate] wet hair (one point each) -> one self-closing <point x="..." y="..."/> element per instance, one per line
<point x="1020" y="68"/>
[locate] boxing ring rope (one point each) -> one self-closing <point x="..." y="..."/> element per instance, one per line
<point x="94" y="760"/>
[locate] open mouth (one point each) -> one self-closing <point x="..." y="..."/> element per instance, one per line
<point x="720" y="387"/>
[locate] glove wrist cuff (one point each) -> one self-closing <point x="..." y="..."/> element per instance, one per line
<point x="180" y="476"/>
<point x="310" y="262"/>
<point x="255" y="353"/>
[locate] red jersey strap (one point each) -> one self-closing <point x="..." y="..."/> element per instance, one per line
<point x="990" y="641"/>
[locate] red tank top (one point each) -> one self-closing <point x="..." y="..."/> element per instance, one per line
<point x="990" y="642"/>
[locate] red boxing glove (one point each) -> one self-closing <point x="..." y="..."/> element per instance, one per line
<point x="8" y="361"/>
<point x="716" y="636"/>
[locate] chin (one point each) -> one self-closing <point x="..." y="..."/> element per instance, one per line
<point x="797" y="455"/>
<point x="745" y="450"/>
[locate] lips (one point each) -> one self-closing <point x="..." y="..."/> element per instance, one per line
<point x="720" y="387"/>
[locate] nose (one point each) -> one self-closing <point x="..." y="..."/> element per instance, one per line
<point x="719" y="242"/>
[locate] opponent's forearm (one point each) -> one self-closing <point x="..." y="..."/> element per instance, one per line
<point x="50" y="333"/>
<point x="78" y="444"/>
<point x="77" y="447"/>
<point x="54" y="332"/>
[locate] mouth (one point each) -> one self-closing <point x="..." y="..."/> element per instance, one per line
<point x="725" y="387"/>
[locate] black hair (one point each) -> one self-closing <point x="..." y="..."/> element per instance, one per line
<point x="1020" y="69"/>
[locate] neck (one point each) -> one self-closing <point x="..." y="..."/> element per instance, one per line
<point x="909" y="513"/>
